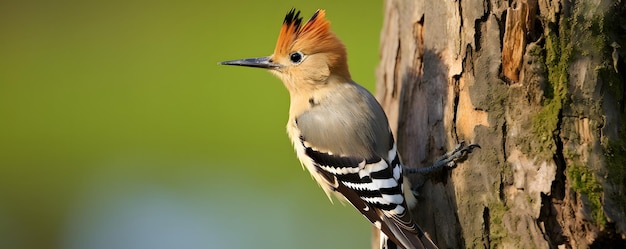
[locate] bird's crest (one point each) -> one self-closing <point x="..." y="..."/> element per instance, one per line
<point x="315" y="34"/>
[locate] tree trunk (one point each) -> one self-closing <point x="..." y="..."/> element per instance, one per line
<point x="540" y="85"/>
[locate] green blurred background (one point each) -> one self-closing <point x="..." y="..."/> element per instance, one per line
<point x="119" y="130"/>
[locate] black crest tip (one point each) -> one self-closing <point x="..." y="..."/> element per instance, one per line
<point x="314" y="15"/>
<point x="293" y="16"/>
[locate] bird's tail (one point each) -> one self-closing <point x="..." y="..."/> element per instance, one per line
<point x="381" y="241"/>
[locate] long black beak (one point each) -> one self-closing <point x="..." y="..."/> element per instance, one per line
<point x="261" y="62"/>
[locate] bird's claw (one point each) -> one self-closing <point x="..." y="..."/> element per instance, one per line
<point x="449" y="159"/>
<point x="459" y="153"/>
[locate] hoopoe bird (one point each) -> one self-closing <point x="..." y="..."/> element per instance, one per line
<point x="339" y="131"/>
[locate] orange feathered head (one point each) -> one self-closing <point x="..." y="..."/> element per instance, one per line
<point x="312" y="37"/>
<point x="308" y="52"/>
<point x="315" y="35"/>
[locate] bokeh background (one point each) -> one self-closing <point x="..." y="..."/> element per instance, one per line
<point x="119" y="130"/>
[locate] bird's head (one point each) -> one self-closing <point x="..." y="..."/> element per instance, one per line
<point x="306" y="55"/>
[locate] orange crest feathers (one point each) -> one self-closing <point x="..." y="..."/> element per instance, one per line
<point x="315" y="33"/>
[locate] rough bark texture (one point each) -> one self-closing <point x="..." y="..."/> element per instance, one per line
<point x="540" y="85"/>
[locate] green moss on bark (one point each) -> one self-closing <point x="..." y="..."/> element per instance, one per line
<point x="585" y="182"/>
<point x="558" y="51"/>
<point x="497" y="231"/>
<point x="582" y="33"/>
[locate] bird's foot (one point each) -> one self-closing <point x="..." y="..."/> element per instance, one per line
<point x="448" y="160"/>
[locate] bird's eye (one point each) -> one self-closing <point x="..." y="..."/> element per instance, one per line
<point x="296" y="57"/>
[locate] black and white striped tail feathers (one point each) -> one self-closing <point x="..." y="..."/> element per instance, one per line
<point x="403" y="222"/>
<point x="374" y="187"/>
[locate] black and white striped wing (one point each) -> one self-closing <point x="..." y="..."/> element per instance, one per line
<point x="374" y="187"/>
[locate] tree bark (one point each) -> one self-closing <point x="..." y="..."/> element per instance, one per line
<point x="540" y="85"/>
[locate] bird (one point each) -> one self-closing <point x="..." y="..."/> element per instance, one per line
<point x="339" y="130"/>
